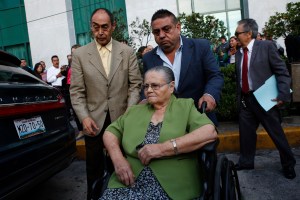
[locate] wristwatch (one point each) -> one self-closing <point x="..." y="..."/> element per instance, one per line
<point x="173" y="141"/>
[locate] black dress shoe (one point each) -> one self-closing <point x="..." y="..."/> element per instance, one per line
<point x="289" y="172"/>
<point x="239" y="167"/>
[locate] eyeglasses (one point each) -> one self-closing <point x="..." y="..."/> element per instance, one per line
<point x="238" y="33"/>
<point x="154" y="86"/>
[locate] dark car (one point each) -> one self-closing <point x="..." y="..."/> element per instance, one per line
<point x="36" y="138"/>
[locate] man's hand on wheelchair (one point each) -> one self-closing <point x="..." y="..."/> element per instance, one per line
<point x="124" y="172"/>
<point x="211" y="103"/>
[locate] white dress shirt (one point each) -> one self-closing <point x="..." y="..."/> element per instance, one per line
<point x="51" y="76"/>
<point x="250" y="47"/>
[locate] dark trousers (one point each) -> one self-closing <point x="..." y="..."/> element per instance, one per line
<point x="70" y="107"/>
<point x="95" y="157"/>
<point x="249" y="119"/>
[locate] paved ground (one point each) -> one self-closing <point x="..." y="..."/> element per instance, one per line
<point x="264" y="182"/>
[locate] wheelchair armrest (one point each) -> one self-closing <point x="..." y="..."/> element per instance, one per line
<point x="212" y="146"/>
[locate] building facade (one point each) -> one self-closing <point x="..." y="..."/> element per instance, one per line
<point x="38" y="29"/>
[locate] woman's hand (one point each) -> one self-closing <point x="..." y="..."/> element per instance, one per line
<point x="122" y="167"/>
<point x="124" y="172"/>
<point x="149" y="152"/>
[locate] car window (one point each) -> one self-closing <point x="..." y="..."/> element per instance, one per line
<point x="10" y="77"/>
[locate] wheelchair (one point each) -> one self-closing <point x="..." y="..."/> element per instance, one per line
<point x="220" y="178"/>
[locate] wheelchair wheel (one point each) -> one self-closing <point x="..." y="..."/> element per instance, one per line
<point x="226" y="181"/>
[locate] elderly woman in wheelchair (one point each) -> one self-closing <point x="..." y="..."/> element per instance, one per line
<point x="153" y="145"/>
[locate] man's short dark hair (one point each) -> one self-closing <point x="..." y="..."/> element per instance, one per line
<point x="75" y="46"/>
<point x="223" y="37"/>
<point x="162" y="13"/>
<point x="249" y="25"/>
<point x="111" y="16"/>
<point x="54" y="56"/>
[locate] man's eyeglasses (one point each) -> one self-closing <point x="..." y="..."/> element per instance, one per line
<point x="238" y="33"/>
<point x="154" y="86"/>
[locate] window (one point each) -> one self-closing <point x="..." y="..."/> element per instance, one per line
<point x="205" y="6"/>
<point x="185" y="6"/>
<point x="229" y="11"/>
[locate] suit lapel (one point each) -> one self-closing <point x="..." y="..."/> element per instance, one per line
<point x="253" y="55"/>
<point x="95" y="59"/>
<point x="187" y="50"/>
<point x="157" y="61"/>
<point x="116" y="58"/>
<point x="238" y="60"/>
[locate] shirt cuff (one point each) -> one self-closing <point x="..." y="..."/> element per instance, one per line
<point x="210" y="96"/>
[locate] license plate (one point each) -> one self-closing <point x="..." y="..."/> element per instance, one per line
<point x="29" y="127"/>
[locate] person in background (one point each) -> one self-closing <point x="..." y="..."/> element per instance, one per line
<point x="259" y="37"/>
<point x="105" y="82"/>
<point x="256" y="62"/>
<point x="234" y="47"/>
<point x="140" y="53"/>
<point x="222" y="51"/>
<point x="69" y="57"/>
<point x="38" y="70"/>
<point x="159" y="140"/>
<point x="149" y="48"/>
<point x="24" y="66"/>
<point x="44" y="74"/>
<point x="55" y="74"/>
<point x="43" y="65"/>
<point x="68" y="99"/>
<point x="197" y="74"/>
<point x="124" y="42"/>
<point x="280" y="49"/>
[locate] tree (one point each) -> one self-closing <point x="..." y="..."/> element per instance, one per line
<point x="140" y="30"/>
<point x="284" y="24"/>
<point x="287" y="25"/>
<point x="120" y="33"/>
<point x="200" y="26"/>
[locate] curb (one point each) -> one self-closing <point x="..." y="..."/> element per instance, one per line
<point x="229" y="141"/>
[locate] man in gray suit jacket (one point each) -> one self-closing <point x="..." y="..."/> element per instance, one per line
<point x="257" y="61"/>
<point x="105" y="81"/>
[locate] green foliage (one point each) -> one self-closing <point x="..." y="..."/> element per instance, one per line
<point x="139" y="31"/>
<point x="200" y="26"/>
<point x="284" y="24"/>
<point x="227" y="109"/>
<point x="120" y="33"/>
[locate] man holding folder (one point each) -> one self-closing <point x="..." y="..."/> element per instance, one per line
<point x="255" y="63"/>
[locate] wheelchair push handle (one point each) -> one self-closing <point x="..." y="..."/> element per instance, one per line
<point x="203" y="107"/>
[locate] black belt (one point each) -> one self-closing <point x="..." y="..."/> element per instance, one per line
<point x="247" y="94"/>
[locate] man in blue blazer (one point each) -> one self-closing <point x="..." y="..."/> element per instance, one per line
<point x="257" y="61"/>
<point x="197" y="74"/>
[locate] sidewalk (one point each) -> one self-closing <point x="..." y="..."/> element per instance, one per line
<point x="229" y="136"/>
<point x="265" y="182"/>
